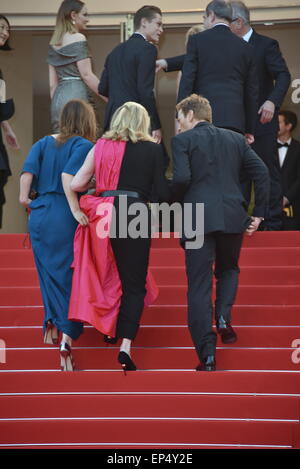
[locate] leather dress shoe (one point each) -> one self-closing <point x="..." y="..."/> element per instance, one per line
<point x="209" y="364"/>
<point x="228" y="336"/>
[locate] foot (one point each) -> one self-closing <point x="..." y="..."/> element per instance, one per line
<point x="228" y="336"/>
<point x="66" y="358"/>
<point x="110" y="340"/>
<point x="209" y="364"/>
<point x="126" y="362"/>
<point x="51" y="334"/>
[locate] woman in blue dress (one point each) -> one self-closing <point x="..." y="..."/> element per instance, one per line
<point x="54" y="217"/>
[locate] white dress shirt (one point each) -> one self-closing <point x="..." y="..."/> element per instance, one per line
<point x="248" y="35"/>
<point x="283" y="151"/>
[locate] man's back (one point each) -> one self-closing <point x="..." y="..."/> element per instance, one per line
<point x="220" y="66"/>
<point x="129" y="76"/>
<point x="211" y="175"/>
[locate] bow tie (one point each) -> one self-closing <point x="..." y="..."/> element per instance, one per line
<point x="280" y="145"/>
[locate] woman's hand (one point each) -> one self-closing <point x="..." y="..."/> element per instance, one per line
<point x="81" y="217"/>
<point x="25" y="202"/>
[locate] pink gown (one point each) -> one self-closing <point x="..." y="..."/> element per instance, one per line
<point x="96" y="287"/>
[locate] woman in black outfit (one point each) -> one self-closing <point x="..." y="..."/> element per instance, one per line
<point x="6" y="112"/>
<point x="141" y="171"/>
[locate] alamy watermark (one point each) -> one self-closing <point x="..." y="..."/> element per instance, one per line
<point x="296" y="352"/>
<point x="134" y="221"/>
<point x="2" y="351"/>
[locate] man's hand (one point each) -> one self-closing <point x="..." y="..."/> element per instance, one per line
<point x="255" y="222"/>
<point x="157" y="135"/>
<point x="249" y="138"/>
<point x="266" y="112"/>
<point x="285" y="202"/>
<point x="161" y="64"/>
<point x="10" y="136"/>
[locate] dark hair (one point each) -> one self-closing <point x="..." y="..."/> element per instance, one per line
<point x="148" y="12"/>
<point x="5" y="46"/>
<point x="198" y="104"/>
<point x="221" y="9"/>
<point x="289" y="118"/>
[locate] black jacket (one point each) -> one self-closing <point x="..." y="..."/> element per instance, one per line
<point x="129" y="75"/>
<point x="207" y="162"/>
<point x="220" y="66"/>
<point x="290" y="175"/>
<point x="273" y="76"/>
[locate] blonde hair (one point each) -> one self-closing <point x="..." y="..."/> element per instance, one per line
<point x="64" y="21"/>
<point x="130" y="122"/>
<point x="77" y="119"/>
<point x="197" y="28"/>
<point x="198" y="104"/>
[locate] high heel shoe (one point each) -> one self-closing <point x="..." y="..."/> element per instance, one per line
<point x="110" y="340"/>
<point x="66" y="359"/>
<point x="126" y="362"/>
<point x="49" y="336"/>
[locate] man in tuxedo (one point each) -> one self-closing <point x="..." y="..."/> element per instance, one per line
<point x="274" y="80"/>
<point x="220" y="66"/>
<point x="289" y="162"/>
<point x="129" y="70"/>
<point x="207" y="162"/>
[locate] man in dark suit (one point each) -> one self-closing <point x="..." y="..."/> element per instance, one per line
<point x="207" y="162"/>
<point x="220" y="66"/>
<point x="289" y="162"/>
<point x="274" y="80"/>
<point x="129" y="71"/>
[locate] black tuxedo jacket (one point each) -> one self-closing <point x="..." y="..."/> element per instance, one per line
<point x="220" y="66"/>
<point x="290" y="176"/>
<point x="129" y="75"/>
<point x="273" y="76"/>
<point x="207" y="162"/>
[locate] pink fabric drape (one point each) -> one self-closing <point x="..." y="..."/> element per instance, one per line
<point x="96" y="287"/>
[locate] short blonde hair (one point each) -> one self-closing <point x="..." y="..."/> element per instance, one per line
<point x="77" y="119"/>
<point x="198" y="104"/>
<point x="130" y="122"/>
<point x="64" y="21"/>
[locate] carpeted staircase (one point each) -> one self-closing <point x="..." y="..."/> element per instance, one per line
<point x="251" y="401"/>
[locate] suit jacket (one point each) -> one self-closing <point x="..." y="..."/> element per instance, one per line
<point x="273" y="76"/>
<point x="207" y="162"/>
<point x="220" y="66"/>
<point x="290" y="177"/>
<point x="129" y="75"/>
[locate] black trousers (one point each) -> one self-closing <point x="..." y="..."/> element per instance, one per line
<point x="266" y="148"/>
<point x="132" y="259"/>
<point x="224" y="250"/>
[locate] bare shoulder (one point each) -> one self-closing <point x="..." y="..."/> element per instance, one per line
<point x="71" y="38"/>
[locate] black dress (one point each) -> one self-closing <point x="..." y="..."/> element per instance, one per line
<point x="142" y="171"/>
<point x="6" y="112"/>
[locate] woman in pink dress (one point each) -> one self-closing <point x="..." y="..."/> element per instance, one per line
<point x="111" y="283"/>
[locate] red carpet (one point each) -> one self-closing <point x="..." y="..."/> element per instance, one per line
<point x="252" y="401"/>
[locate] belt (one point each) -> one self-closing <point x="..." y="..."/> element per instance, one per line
<point x="70" y="78"/>
<point x="115" y="193"/>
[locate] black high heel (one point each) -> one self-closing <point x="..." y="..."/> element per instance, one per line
<point x="110" y="340"/>
<point x="66" y="359"/>
<point x="126" y="362"/>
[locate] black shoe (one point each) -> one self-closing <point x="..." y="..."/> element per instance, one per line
<point x="228" y="336"/>
<point x="209" y="364"/>
<point x="110" y="340"/>
<point x="126" y="362"/>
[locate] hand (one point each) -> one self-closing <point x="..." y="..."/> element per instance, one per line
<point x="255" y="222"/>
<point x="81" y="217"/>
<point x="161" y="64"/>
<point x="157" y="135"/>
<point x="285" y="201"/>
<point x="249" y="138"/>
<point x="92" y="183"/>
<point x="25" y="202"/>
<point x="267" y="112"/>
<point x="10" y="137"/>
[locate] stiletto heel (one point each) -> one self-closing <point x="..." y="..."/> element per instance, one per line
<point x="110" y="340"/>
<point x="66" y="359"/>
<point x="126" y="362"/>
<point x="49" y="337"/>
